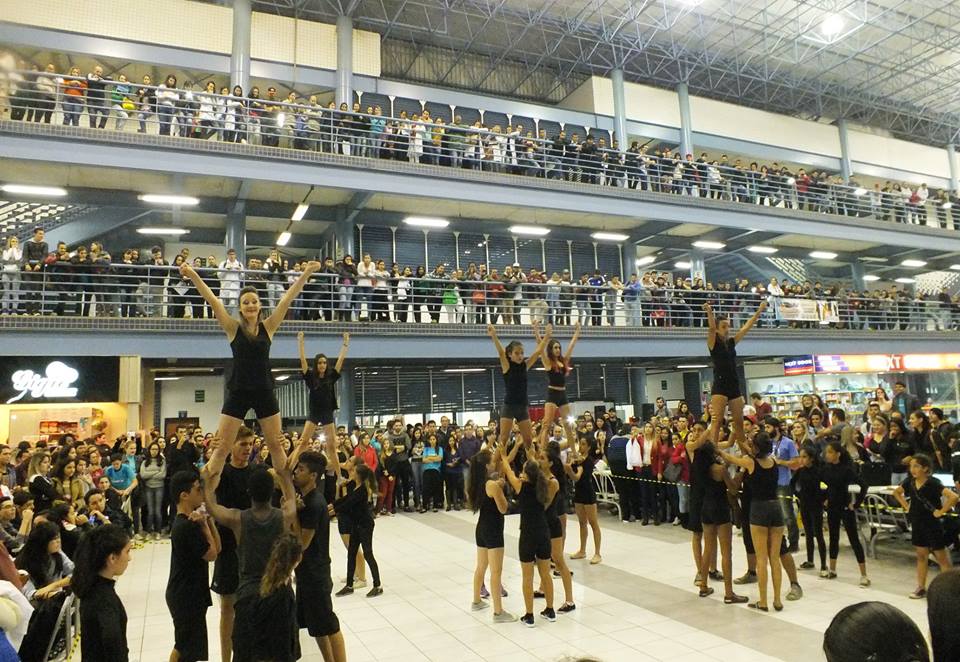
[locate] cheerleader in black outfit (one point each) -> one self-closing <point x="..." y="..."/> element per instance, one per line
<point x="927" y="501"/>
<point x="515" y="401"/>
<point x="485" y="494"/>
<point x="838" y="474"/>
<point x="553" y="467"/>
<point x="558" y="366"/>
<point x="806" y="485"/>
<point x="726" y="384"/>
<point x="358" y="504"/>
<point x="585" y="499"/>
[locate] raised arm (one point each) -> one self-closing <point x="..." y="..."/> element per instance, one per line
<point x="570" y="345"/>
<point x="712" y="325"/>
<point x="304" y="365"/>
<point x="228" y="517"/>
<point x="504" y="361"/>
<point x="511" y="477"/>
<point x="744" y="462"/>
<point x="227" y="323"/>
<point x="343" y="352"/>
<point x="289" y="497"/>
<point x="750" y="322"/>
<point x="272" y="323"/>
<point x="541" y="346"/>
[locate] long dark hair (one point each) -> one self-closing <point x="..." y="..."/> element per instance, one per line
<point x="539" y="482"/>
<point x="943" y="604"/>
<point x="837" y="447"/>
<point x="874" y="631"/>
<point x="316" y="360"/>
<point x="476" y="488"/>
<point x="147" y="458"/>
<point x="94" y="549"/>
<point x="367" y="479"/>
<point x="283" y="559"/>
<point x="558" y="363"/>
<point x="34" y="557"/>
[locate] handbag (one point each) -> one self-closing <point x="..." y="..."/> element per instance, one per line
<point x="672" y="472"/>
<point x="127" y="105"/>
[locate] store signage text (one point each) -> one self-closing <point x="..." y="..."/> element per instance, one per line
<point x="838" y="363"/>
<point x="55" y="383"/>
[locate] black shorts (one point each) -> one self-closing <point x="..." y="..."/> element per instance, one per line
<point x="556" y="530"/>
<point x="315" y="606"/>
<point x="519" y="413"/>
<point x="321" y="417"/>
<point x="344" y="526"/>
<point x="766" y="513"/>
<point x="556" y="397"/>
<point x="694" y="510"/>
<point x="728" y="388"/>
<point x="534" y="546"/>
<point x="584" y="497"/>
<point x="715" y="512"/>
<point x="226" y="573"/>
<point x="927" y="534"/>
<point x="489" y="538"/>
<point x="189" y="632"/>
<point x="262" y="401"/>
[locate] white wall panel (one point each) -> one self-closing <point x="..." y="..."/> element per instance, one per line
<point x="179" y="396"/>
<point x="899" y="154"/>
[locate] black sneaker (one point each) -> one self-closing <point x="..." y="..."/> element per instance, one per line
<point x="527" y="619"/>
<point x="807" y="565"/>
<point x="346" y="590"/>
<point x="567" y="607"/>
<point x="538" y="595"/>
<point x="549" y="614"/>
<point x="375" y="591"/>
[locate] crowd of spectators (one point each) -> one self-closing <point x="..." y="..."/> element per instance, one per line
<point x="172" y="108"/>
<point x="85" y="281"/>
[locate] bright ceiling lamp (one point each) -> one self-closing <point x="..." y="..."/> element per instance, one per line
<point x="610" y="236"/>
<point x="906" y="281"/>
<point x="163" y="231"/>
<point x="426" y="222"/>
<point x="25" y="189"/>
<point x="462" y="370"/>
<point x="681" y="265"/>
<point x="709" y="245"/>
<point x="763" y="250"/>
<point x="955" y="267"/>
<point x="177" y="200"/>
<point x="823" y="255"/>
<point x="166" y="379"/>
<point x="832" y="25"/>
<point x="283" y="239"/>
<point x="534" y="230"/>
<point x="646" y="259"/>
<point x="914" y="263"/>
<point x="871" y="278"/>
<point x="281" y="378"/>
<point x="692" y="366"/>
<point x="300" y="212"/>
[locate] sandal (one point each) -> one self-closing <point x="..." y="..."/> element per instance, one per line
<point x="704" y="592"/>
<point x="735" y="599"/>
<point x="756" y="605"/>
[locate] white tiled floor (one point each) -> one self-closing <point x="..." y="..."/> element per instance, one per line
<point x="639" y="605"/>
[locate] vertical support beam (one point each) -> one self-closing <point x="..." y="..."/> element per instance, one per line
<point x="846" y="170"/>
<point x="698" y="268"/>
<point x="856" y="273"/>
<point x="619" y="110"/>
<point x="240" y="47"/>
<point x="691" y="392"/>
<point x="706" y="377"/>
<point x="344" y="60"/>
<point x="686" y="125"/>
<point x="952" y="162"/>
<point x="346" y="415"/>
<point x="638" y="390"/>
<point x="236" y="231"/>
<point x="343" y="231"/>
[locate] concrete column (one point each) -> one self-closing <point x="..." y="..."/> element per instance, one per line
<point x="846" y="170"/>
<point x="619" y="110"/>
<point x="691" y="392"/>
<point x="345" y="60"/>
<point x="686" y="126"/>
<point x="698" y="268"/>
<point x="236" y="232"/>
<point x="856" y="273"/>
<point x="952" y="161"/>
<point x="343" y="230"/>
<point x="347" y="413"/>
<point x="240" y="49"/>
<point x="638" y="389"/>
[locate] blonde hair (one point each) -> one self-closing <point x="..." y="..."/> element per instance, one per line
<point x="284" y="557"/>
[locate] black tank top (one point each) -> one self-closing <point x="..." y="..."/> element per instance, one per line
<point x="256" y="542"/>
<point x="557" y="378"/>
<point x="251" y="361"/>
<point x="763" y="482"/>
<point x="533" y="517"/>
<point x="724" y="355"/>
<point x="491" y="519"/>
<point x="515" y="380"/>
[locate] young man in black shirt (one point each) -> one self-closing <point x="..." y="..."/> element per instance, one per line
<point x="314" y="583"/>
<point x="194" y="543"/>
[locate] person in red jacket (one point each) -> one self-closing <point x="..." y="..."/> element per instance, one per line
<point x="366" y="452"/>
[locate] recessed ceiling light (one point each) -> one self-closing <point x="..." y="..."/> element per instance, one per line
<point x="281" y="378"/>
<point x="166" y="379"/>
<point x="681" y="265"/>
<point x="692" y="366"/>
<point x="176" y="200"/>
<point x="299" y="212"/>
<point x="832" y="25"/>
<point x="870" y="258"/>
<point x="823" y="255"/>
<point x="906" y="281"/>
<point x="646" y="259"/>
<point x="870" y="278"/>
<point x="610" y="236"/>
<point x="426" y="222"/>
<point x="914" y="263"/>
<point x="25" y="189"/>
<point x="163" y="231"/>
<point x="529" y="229"/>
<point x="763" y="250"/>
<point x="283" y="239"/>
<point x="955" y="267"/>
<point x="709" y="245"/>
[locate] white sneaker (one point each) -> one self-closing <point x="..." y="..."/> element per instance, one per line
<point x="504" y="617"/>
<point x="359" y="583"/>
<point x="478" y="606"/>
<point x="864" y="581"/>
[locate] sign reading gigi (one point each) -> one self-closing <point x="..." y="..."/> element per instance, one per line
<point x="56" y="383"/>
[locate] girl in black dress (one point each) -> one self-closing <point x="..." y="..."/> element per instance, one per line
<point x="726" y="384"/>
<point x="251" y="382"/>
<point x="558" y="366"/>
<point x="585" y="498"/>
<point x="515" y="402"/>
<point x="927" y="501"/>
<point x="485" y="494"/>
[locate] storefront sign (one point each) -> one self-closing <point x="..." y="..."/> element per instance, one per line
<point x="798" y="365"/>
<point x="38" y="379"/>
<point x="855" y="363"/>
<point x="808" y="310"/>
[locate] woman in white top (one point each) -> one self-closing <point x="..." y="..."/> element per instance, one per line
<point x="418" y="132"/>
<point x="234" y="117"/>
<point x="12" y="263"/>
<point x="401" y="296"/>
<point x="366" y="271"/>
<point x="776" y="293"/>
<point x="381" y="293"/>
<point x="211" y="109"/>
<point x="167" y="97"/>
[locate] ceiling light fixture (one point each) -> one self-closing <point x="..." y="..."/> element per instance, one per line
<point x="955" y="267"/>
<point x="300" y="212"/>
<point x="709" y="245"/>
<point x="914" y="263"/>
<point x="906" y="281"/>
<point x="284" y="238"/>
<point x="692" y="366"/>
<point x="832" y="25"/>
<point x="871" y="278"/>
<point x="534" y="230"/>
<point x="681" y="265"/>
<point x="460" y="370"/>
<point x="163" y="231"/>
<point x="175" y="200"/>
<point x="763" y="250"/>
<point x="645" y="260"/>
<point x="25" y="189"/>
<point x="610" y="236"/>
<point x="166" y="379"/>
<point x="426" y="222"/>
<point x="823" y="255"/>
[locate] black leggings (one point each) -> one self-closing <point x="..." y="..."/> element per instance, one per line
<point x="432" y="489"/>
<point x="849" y="519"/>
<point x="811" y="512"/>
<point x="745" y="529"/>
<point x="404" y="474"/>
<point x="362" y="536"/>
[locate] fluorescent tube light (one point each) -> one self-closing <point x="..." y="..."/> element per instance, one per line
<point x="166" y="379"/>
<point x="300" y="212"/>
<point x="281" y="378"/>
<point x="180" y="200"/>
<point x="763" y="250"/>
<point x="871" y="278"/>
<point x="646" y="259"/>
<point x="283" y="238"/>
<point x="955" y="267"/>
<point x="610" y="236"/>
<point x="529" y="229"/>
<point x="823" y="255"/>
<point x="163" y="231"/>
<point x="26" y="189"/>
<point x="692" y="366"/>
<point x="709" y="245"/>
<point x="681" y="265"/>
<point x="426" y="222"/>
<point x="459" y="370"/>
<point x="906" y="281"/>
<point x="914" y="263"/>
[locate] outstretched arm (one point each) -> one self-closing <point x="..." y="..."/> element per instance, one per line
<point x="272" y="323"/>
<point x="511" y="477"/>
<point x="228" y="517"/>
<point x="304" y="366"/>
<point x="573" y="341"/>
<point x="504" y="361"/>
<point x="343" y="352"/>
<point x="750" y="322"/>
<point x="712" y="324"/>
<point x="227" y="323"/>
<point x="541" y="346"/>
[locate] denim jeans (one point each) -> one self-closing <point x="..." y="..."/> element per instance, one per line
<point x="71" y="111"/>
<point x="417" y="482"/>
<point x="11" y="292"/>
<point x="153" y="499"/>
<point x="165" y="115"/>
<point x="346" y="301"/>
<point x="142" y="117"/>
<point x="362" y="294"/>
<point x="632" y="307"/>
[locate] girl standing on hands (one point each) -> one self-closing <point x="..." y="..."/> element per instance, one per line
<point x="726" y="384"/>
<point x="251" y="382"/>
<point x="515" y="402"/>
<point x="557" y="365"/>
